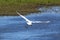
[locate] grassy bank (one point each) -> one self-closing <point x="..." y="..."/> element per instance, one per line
<point x="9" y="7"/>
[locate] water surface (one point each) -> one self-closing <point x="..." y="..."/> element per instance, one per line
<point x="15" y="27"/>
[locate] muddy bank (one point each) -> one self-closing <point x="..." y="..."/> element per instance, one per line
<point x="6" y="10"/>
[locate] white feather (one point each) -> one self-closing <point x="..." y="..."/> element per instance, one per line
<point x="30" y="22"/>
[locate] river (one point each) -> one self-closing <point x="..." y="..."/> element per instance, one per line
<point x="15" y="27"/>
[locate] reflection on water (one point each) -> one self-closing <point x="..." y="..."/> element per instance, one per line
<point x="14" y="27"/>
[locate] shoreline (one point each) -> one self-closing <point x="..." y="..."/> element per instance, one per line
<point x="24" y="9"/>
<point x="9" y="7"/>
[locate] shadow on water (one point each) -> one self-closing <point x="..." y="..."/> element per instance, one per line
<point x="15" y="28"/>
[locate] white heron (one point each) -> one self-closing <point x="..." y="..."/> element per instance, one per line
<point x="29" y="22"/>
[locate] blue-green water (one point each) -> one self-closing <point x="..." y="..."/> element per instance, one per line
<point x="14" y="27"/>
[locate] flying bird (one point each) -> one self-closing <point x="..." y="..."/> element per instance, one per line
<point x="29" y="22"/>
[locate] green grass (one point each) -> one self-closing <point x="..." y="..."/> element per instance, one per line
<point x="9" y="7"/>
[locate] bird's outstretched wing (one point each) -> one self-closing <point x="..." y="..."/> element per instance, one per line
<point x="40" y="21"/>
<point x="23" y="17"/>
